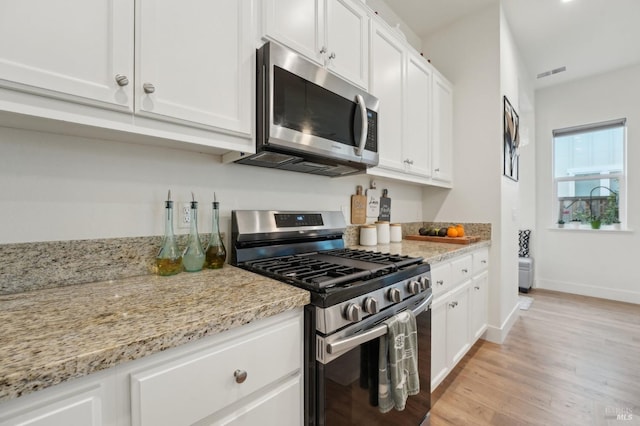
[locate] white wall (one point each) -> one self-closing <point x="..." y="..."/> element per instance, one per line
<point x="588" y="262"/>
<point x="469" y="53"/>
<point x="55" y="187"/>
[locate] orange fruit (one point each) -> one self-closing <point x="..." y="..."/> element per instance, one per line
<point x="452" y="232"/>
<point x="460" y="230"/>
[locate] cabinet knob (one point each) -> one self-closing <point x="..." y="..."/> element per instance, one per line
<point x="477" y="288"/>
<point x="323" y="50"/>
<point x="483" y="261"/>
<point x="453" y="304"/>
<point x="333" y="55"/>
<point x="408" y="161"/>
<point x="437" y="170"/>
<point x="465" y="270"/>
<point x="122" y="80"/>
<point x="148" y="88"/>
<point x="440" y="282"/>
<point x="240" y="376"/>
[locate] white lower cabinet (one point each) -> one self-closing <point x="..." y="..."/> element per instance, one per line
<point x="459" y="310"/>
<point x="246" y="376"/>
<point x="87" y="401"/>
<point x="195" y="387"/>
<point x="478" y="304"/>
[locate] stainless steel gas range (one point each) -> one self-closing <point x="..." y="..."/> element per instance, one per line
<point x="353" y="293"/>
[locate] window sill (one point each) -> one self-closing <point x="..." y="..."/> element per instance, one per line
<point x="587" y="228"/>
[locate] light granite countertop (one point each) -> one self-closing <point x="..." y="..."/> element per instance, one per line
<point x="430" y="251"/>
<point x="53" y="335"/>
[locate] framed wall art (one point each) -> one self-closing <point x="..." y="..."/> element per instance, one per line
<point x="511" y="154"/>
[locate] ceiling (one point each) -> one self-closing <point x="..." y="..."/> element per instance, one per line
<point x="586" y="36"/>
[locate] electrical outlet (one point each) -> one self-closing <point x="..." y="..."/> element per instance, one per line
<point x="184" y="215"/>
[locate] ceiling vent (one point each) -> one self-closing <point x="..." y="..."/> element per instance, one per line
<point x="554" y="71"/>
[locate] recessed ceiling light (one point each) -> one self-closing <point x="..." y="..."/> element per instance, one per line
<point x="566" y="1"/>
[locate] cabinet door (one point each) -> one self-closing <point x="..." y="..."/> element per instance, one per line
<point x="72" y="52"/>
<point x="478" y="305"/>
<point x="387" y="70"/>
<point x="457" y="325"/>
<point x="195" y="62"/>
<point x="347" y="41"/>
<point x="417" y="139"/>
<point x="271" y="405"/>
<point x="297" y="24"/>
<point x="442" y="129"/>
<point x="439" y="364"/>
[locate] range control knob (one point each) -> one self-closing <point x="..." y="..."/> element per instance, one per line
<point x="353" y="312"/>
<point x="414" y="287"/>
<point x="425" y="283"/>
<point x="394" y="295"/>
<point x="370" y="305"/>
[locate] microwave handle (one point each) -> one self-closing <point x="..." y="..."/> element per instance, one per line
<point x="365" y="124"/>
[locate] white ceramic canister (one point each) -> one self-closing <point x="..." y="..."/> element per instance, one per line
<point x="368" y="235"/>
<point x="382" y="228"/>
<point x="395" y="232"/>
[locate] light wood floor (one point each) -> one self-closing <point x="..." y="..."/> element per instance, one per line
<point x="568" y="360"/>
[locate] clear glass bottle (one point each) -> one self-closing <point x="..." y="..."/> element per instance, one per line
<point x="216" y="253"/>
<point x="169" y="258"/>
<point x="193" y="256"/>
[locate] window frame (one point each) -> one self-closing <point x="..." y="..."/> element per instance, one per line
<point x="620" y="176"/>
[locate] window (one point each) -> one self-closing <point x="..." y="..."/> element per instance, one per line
<point x="589" y="173"/>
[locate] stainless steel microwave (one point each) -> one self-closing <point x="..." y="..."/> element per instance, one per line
<point x="309" y="120"/>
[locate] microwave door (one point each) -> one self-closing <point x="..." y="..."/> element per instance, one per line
<point x="306" y="116"/>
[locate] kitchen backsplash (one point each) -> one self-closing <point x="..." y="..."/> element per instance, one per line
<point x="42" y="265"/>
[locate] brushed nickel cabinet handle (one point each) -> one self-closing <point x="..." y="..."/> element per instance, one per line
<point x="122" y="80"/>
<point x="148" y="88"/>
<point x="240" y="376"/>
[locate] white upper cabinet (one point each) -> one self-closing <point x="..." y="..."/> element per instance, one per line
<point x="192" y="62"/>
<point x="442" y="129"/>
<point x="81" y="52"/>
<point x="417" y="142"/>
<point x="347" y="41"/>
<point x="415" y="128"/>
<point x="298" y="24"/>
<point x="159" y="71"/>
<point x="332" y="33"/>
<point x="387" y="81"/>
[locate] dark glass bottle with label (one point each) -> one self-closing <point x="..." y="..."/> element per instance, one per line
<point x="216" y="253"/>
<point x="169" y="259"/>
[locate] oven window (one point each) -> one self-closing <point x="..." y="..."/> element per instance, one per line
<point x="350" y="385"/>
<point x="308" y="108"/>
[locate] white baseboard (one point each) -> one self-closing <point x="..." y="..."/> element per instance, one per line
<point x="589" y="290"/>
<point x="498" y="334"/>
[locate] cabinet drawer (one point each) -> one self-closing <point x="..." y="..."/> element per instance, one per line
<point x="461" y="269"/>
<point x="441" y="280"/>
<point x="480" y="260"/>
<point x="185" y="390"/>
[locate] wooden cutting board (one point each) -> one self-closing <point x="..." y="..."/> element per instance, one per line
<point x="451" y="240"/>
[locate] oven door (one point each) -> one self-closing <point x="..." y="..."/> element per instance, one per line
<point x="346" y="387"/>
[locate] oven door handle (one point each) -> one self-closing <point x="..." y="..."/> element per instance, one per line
<point x="351" y="342"/>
